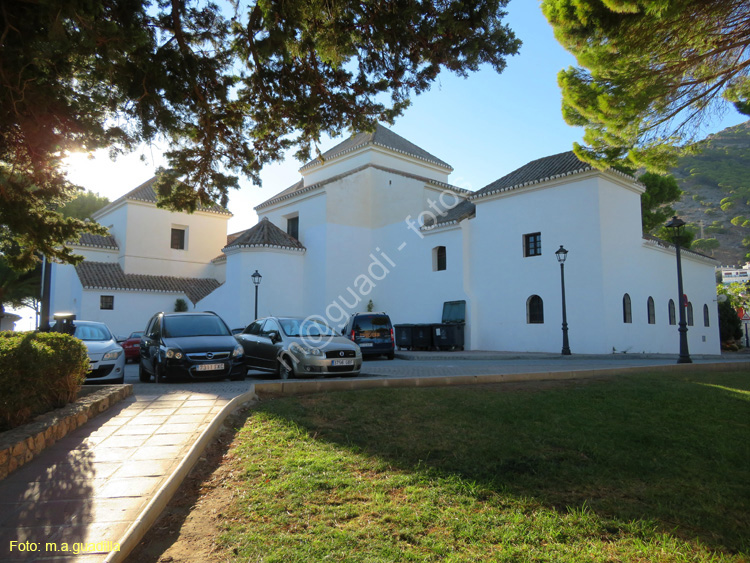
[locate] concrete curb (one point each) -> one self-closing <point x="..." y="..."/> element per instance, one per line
<point x="316" y="386"/>
<point x="156" y="505"/>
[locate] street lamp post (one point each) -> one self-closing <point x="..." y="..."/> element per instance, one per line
<point x="256" y="281"/>
<point x="562" y="254"/>
<point x="676" y="225"/>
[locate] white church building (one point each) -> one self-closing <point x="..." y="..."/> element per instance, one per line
<point x="376" y="219"/>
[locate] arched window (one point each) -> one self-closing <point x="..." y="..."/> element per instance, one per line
<point x="651" y="311"/>
<point x="438" y="259"/>
<point x="534" y="310"/>
<point x="627" y="312"/>
<point x="672" y="315"/>
<point x="706" y="321"/>
<point x="690" y="314"/>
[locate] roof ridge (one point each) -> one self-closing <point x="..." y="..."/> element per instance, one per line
<point x="264" y="234"/>
<point x="538" y="171"/>
<point x="146" y="193"/>
<point x="382" y="137"/>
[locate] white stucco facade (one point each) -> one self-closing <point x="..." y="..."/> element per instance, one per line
<point x="358" y="215"/>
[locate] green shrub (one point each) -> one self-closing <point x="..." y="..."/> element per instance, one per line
<point x="38" y="372"/>
<point x="730" y="324"/>
<point x="180" y="306"/>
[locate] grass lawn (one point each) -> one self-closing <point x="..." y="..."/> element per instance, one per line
<point x="636" y="468"/>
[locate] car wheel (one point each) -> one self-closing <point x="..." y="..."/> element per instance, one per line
<point x="158" y="376"/>
<point x="284" y="371"/>
<point x="240" y="377"/>
<point x="390" y="356"/>
<point x="143" y="375"/>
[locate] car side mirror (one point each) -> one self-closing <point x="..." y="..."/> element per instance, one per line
<point x="275" y="336"/>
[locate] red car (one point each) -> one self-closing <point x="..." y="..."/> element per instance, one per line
<point x="132" y="347"/>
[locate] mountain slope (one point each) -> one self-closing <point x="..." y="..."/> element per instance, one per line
<point x="716" y="198"/>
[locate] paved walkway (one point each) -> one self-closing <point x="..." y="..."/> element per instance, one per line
<point x="88" y="489"/>
<point x="108" y="480"/>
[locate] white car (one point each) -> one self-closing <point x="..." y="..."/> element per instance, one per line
<point x="106" y="356"/>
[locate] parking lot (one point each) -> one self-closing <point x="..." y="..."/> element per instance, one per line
<point x="439" y="365"/>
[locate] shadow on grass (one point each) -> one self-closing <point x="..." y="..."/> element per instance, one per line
<point x="672" y="450"/>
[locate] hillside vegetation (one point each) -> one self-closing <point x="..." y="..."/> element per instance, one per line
<point x="716" y="198"/>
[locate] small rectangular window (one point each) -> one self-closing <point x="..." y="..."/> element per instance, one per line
<point x="178" y="239"/>
<point x="438" y="259"/>
<point x="107" y="302"/>
<point x="292" y="227"/>
<point x="532" y="244"/>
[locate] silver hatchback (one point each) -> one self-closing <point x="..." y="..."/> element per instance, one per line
<point x="293" y="346"/>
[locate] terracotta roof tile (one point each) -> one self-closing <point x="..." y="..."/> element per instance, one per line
<point x="536" y="171"/>
<point x="382" y="137"/>
<point x="265" y="234"/>
<point x="97" y="241"/>
<point x="109" y="275"/>
<point x="456" y="214"/>
<point x="145" y="192"/>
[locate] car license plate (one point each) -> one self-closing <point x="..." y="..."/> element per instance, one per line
<point x="209" y="367"/>
<point x="342" y="362"/>
<point x="365" y="345"/>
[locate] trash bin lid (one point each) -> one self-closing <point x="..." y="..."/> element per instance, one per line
<point x="454" y="312"/>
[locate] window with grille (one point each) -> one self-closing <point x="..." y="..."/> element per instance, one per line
<point x="651" y="311"/>
<point x="107" y="302"/>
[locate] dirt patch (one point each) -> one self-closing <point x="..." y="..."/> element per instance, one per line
<point x="186" y="530"/>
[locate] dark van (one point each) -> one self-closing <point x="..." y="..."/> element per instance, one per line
<point x="373" y="332"/>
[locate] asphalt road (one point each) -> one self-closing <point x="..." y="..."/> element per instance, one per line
<point x="445" y="366"/>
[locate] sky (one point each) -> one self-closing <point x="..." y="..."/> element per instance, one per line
<point x="484" y="126"/>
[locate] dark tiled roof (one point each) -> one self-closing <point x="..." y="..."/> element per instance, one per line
<point x="557" y="165"/>
<point x="97" y="241"/>
<point x="456" y="214"/>
<point x="265" y="234"/>
<point x="145" y="192"/>
<point x="656" y="241"/>
<point x="287" y="193"/>
<point x="108" y="275"/>
<point x="381" y="137"/>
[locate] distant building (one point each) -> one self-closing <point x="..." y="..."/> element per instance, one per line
<point x="732" y="274"/>
<point x="375" y="218"/>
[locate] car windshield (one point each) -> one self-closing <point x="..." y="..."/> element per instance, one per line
<point x="372" y="326"/>
<point x="306" y="327"/>
<point x="194" y="325"/>
<point x="135" y="335"/>
<point x="92" y="332"/>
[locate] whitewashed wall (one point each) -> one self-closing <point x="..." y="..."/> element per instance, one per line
<point x="280" y="291"/>
<point x="145" y="239"/>
<point x="132" y="309"/>
<point x="377" y="156"/>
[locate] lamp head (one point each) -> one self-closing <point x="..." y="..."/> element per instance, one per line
<point x="561" y="254"/>
<point x="256" y="277"/>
